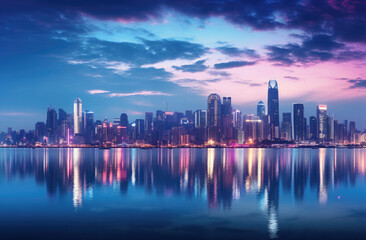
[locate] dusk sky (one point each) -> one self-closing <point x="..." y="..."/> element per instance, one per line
<point x="154" y="54"/>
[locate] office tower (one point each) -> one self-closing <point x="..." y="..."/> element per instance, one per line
<point x="51" y="125"/>
<point x="160" y="115"/>
<point x="123" y="120"/>
<point x="88" y="126"/>
<point x="352" y="131"/>
<point x="189" y="116"/>
<point x="78" y="110"/>
<point x="330" y="128"/>
<point x="273" y="108"/>
<point x="237" y="119"/>
<point x="226" y="120"/>
<point x="322" y="123"/>
<point x="139" y="129"/>
<point x="298" y="122"/>
<point x="177" y="117"/>
<point x="286" y="126"/>
<point x="200" y="119"/>
<point x="313" y="128"/>
<point x="261" y="109"/>
<point x="39" y="131"/>
<point x="305" y="128"/>
<point x="62" y="115"/>
<point x="148" y="121"/>
<point x="214" y="117"/>
<point x="253" y="128"/>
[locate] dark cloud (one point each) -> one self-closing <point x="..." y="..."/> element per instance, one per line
<point x="233" y="64"/>
<point x="313" y="49"/>
<point x="345" y="19"/>
<point x="291" y="77"/>
<point x="234" y="51"/>
<point x="196" y="67"/>
<point x="357" y="83"/>
<point x="146" y="52"/>
<point x="219" y="73"/>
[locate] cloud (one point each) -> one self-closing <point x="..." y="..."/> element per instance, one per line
<point x="233" y="64"/>
<point x="192" y="68"/>
<point x="357" y="83"/>
<point x="314" y="49"/>
<point x="235" y="52"/>
<point x="219" y="73"/>
<point x="139" y="93"/>
<point x="291" y="77"/>
<point x="97" y="91"/>
<point x="344" y="19"/>
<point x="122" y="55"/>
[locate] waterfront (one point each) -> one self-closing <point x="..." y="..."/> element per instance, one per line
<point x="165" y="193"/>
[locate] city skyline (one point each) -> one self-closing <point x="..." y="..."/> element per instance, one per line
<point x="218" y="125"/>
<point x="160" y="54"/>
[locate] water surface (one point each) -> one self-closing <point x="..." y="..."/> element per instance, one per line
<point x="182" y="193"/>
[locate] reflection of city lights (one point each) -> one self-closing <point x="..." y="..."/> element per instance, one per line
<point x="77" y="188"/>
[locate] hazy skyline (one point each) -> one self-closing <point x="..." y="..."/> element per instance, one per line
<point x="142" y="56"/>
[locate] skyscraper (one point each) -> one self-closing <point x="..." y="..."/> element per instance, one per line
<point x="261" y="109"/>
<point x="123" y="120"/>
<point x="200" y="118"/>
<point x="313" y="128"/>
<point x="298" y="122"/>
<point x="148" y="121"/>
<point x="88" y="125"/>
<point x="286" y="126"/>
<point x="214" y="117"/>
<point x="322" y="123"/>
<point x="78" y="110"/>
<point x="273" y="108"/>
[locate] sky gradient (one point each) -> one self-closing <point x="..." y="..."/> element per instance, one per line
<point x="170" y="55"/>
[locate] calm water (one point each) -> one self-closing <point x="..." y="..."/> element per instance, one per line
<point x="182" y="193"/>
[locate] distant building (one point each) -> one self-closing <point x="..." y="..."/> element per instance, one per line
<point x="123" y="120"/>
<point x="273" y="109"/>
<point x="200" y="119"/>
<point x="148" y="121"/>
<point x="322" y="123"/>
<point x="261" y="109"/>
<point x="286" y="126"/>
<point x="88" y="126"/>
<point x="299" y="128"/>
<point x="214" y="117"/>
<point x="78" y="109"/>
<point x="313" y="128"/>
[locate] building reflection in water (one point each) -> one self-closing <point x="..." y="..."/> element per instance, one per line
<point x="218" y="175"/>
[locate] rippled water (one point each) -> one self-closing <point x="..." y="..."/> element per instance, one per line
<point x="182" y="193"/>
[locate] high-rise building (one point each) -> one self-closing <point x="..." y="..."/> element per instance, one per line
<point x="78" y="117"/>
<point x="322" y="123"/>
<point x="298" y="122"/>
<point x="40" y="131"/>
<point x="200" y="119"/>
<point x="286" y="126"/>
<point x="237" y="119"/>
<point x="214" y="117"/>
<point x="139" y="128"/>
<point x="88" y="126"/>
<point x="273" y="108"/>
<point x="123" y="120"/>
<point x="313" y="128"/>
<point x="261" y="109"/>
<point x="352" y="131"/>
<point x="62" y="116"/>
<point x="189" y="116"/>
<point x="51" y="125"/>
<point x="226" y="120"/>
<point x="148" y="122"/>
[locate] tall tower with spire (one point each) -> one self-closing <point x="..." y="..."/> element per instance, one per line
<point x="273" y="109"/>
